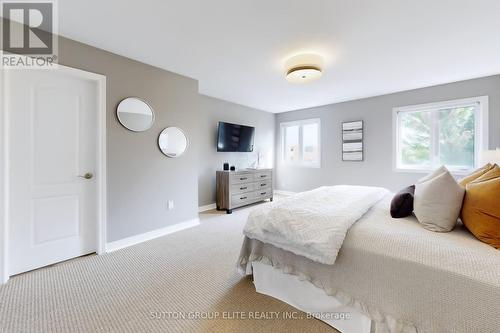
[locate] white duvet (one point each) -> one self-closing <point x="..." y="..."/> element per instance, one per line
<point x="312" y="224"/>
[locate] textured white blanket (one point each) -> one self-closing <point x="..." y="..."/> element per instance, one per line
<point x="312" y="224"/>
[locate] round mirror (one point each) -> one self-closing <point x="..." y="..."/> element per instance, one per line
<point x="172" y="142"/>
<point x="135" y="114"/>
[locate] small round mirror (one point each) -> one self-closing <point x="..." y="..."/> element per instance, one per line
<point x="135" y="114"/>
<point x="172" y="142"/>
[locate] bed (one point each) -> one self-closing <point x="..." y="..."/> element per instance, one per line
<point x="390" y="275"/>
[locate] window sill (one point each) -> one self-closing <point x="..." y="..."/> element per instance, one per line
<point x="304" y="166"/>
<point x="427" y="171"/>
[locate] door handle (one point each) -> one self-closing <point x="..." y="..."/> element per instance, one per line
<point x="88" y="175"/>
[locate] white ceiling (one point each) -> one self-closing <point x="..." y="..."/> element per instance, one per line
<point x="236" y="49"/>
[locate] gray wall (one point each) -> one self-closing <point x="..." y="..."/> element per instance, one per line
<point x="211" y="112"/>
<point x="140" y="179"/>
<point x="376" y="112"/>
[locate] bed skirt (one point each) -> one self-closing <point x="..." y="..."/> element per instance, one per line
<point x="306" y="297"/>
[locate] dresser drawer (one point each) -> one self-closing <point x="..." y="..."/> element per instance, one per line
<point x="241" y="199"/>
<point x="263" y="184"/>
<point x="241" y="178"/>
<point x="243" y="187"/>
<point x="263" y="194"/>
<point x="264" y="175"/>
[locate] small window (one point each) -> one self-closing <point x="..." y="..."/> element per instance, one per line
<point x="300" y="141"/>
<point x="447" y="133"/>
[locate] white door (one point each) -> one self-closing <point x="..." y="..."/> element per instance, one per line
<point x="53" y="141"/>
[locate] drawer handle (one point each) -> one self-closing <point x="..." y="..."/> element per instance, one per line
<point x="262" y="193"/>
<point x="243" y="198"/>
<point x="243" y="178"/>
<point x="262" y="176"/>
<point x="243" y="188"/>
<point x="263" y="184"/>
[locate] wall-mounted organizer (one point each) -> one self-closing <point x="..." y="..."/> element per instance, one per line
<point x="352" y="141"/>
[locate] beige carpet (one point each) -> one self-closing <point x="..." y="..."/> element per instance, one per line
<point x="149" y="288"/>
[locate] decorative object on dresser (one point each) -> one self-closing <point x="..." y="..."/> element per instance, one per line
<point x="225" y="166"/>
<point x="243" y="187"/>
<point x="352" y="141"/>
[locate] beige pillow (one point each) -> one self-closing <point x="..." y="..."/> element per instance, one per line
<point x="434" y="174"/>
<point x="438" y="200"/>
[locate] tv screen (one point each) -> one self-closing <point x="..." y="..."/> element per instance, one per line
<point x="233" y="137"/>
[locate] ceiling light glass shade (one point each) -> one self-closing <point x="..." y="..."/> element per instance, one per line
<point x="303" y="68"/>
<point x="303" y="74"/>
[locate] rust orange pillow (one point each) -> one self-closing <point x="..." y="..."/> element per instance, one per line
<point x="475" y="174"/>
<point x="481" y="207"/>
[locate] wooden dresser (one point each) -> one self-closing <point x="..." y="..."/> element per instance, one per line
<point x="243" y="187"/>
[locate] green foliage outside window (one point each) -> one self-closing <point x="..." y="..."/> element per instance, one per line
<point x="455" y="143"/>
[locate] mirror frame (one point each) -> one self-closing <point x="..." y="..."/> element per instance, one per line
<point x="183" y="133"/>
<point x="153" y="119"/>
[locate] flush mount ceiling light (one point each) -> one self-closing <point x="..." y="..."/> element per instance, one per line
<point x="304" y="68"/>
<point x="303" y="74"/>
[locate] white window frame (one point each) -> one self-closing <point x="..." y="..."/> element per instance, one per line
<point x="480" y="132"/>
<point x="300" y="162"/>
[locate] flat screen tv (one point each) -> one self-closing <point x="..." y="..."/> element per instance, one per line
<point x="235" y="138"/>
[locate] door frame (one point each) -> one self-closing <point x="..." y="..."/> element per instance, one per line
<point x="5" y="163"/>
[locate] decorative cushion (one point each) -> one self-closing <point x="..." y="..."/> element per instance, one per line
<point x="476" y="174"/>
<point x="481" y="208"/>
<point x="402" y="203"/>
<point x="438" y="201"/>
<point x="433" y="174"/>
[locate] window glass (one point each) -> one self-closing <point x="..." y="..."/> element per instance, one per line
<point x="310" y="151"/>
<point x="415" y="138"/>
<point x="447" y="133"/>
<point x="456" y="137"/>
<point x="301" y="143"/>
<point x="292" y="144"/>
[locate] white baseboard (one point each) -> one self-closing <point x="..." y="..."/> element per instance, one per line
<point x="281" y="192"/>
<point x="206" y="207"/>
<point x="213" y="206"/>
<point x="133" y="240"/>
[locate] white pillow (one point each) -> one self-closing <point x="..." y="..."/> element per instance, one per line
<point x="434" y="174"/>
<point x="438" y="201"/>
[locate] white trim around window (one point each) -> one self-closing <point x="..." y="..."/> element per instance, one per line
<point x="300" y="162"/>
<point x="480" y="132"/>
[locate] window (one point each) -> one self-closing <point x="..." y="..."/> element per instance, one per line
<point x="447" y="133"/>
<point x="300" y="141"/>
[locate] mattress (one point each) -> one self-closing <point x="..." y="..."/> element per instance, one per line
<point x="401" y="275"/>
